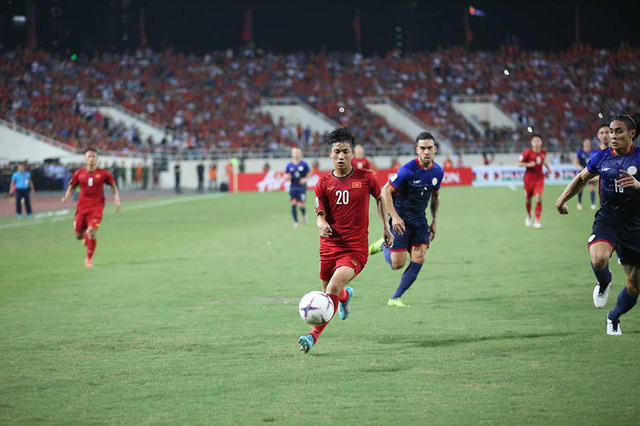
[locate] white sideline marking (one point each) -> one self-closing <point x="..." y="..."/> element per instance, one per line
<point x="173" y="201"/>
<point x="58" y="215"/>
<point x="512" y="187"/>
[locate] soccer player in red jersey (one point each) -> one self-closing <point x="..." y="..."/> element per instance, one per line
<point x="91" y="203"/>
<point x="359" y="161"/>
<point x="342" y="209"/>
<point x="533" y="159"/>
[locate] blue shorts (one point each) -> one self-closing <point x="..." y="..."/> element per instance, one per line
<point x="298" y="194"/>
<point x="413" y="236"/>
<point x="625" y="242"/>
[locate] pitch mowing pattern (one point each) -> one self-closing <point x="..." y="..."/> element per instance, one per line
<point x="190" y="316"/>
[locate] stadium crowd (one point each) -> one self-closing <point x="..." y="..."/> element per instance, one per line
<point x="211" y="102"/>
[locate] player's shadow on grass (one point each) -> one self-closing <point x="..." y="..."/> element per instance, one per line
<point x="461" y="340"/>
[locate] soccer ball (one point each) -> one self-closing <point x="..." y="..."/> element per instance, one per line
<point x="316" y="308"/>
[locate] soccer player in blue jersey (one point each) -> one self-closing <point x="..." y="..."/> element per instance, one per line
<point x="297" y="170"/>
<point x="617" y="223"/>
<point x="582" y="156"/>
<point x="406" y="196"/>
<point x="604" y="138"/>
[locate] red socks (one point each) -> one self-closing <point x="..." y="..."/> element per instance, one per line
<point x="91" y="247"/>
<point x="538" y="210"/>
<point x="528" y="204"/>
<point x="318" y="329"/>
<point x="344" y="296"/>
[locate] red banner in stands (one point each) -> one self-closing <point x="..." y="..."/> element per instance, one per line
<point x="278" y="181"/>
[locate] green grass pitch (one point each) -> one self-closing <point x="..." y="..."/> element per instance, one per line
<point x="190" y="316"/>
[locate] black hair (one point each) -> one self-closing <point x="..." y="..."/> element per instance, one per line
<point x="340" y="135"/>
<point x="632" y="122"/>
<point x="429" y="136"/>
<point x="90" y="150"/>
<point x="601" y="126"/>
<point x="536" y="135"/>
<point x="425" y="135"/>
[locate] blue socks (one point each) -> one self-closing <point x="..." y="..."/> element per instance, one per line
<point x="593" y="198"/>
<point x="580" y="197"/>
<point x="294" y="213"/>
<point x="603" y="276"/>
<point x="624" y="304"/>
<point x="408" y="277"/>
<point x="387" y="254"/>
<point x="303" y="210"/>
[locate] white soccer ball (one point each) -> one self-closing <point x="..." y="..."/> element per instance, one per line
<point x="316" y="308"/>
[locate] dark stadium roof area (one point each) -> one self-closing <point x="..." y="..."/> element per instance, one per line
<point x="283" y="26"/>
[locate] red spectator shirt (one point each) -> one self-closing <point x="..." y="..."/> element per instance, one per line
<point x="361" y="163"/>
<point x="91" y="187"/>
<point x="345" y="203"/>
<point x="535" y="172"/>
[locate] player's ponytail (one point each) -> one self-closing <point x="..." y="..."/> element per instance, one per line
<point x="636" y="120"/>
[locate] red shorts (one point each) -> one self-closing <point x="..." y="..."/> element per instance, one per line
<point x="87" y="219"/>
<point x="353" y="259"/>
<point x="533" y="186"/>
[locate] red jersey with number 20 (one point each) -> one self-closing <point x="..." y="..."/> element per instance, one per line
<point x="91" y="187"/>
<point x="535" y="172"/>
<point x="345" y="203"/>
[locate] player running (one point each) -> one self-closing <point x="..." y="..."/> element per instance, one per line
<point x="617" y="223"/>
<point x="342" y="209"/>
<point x="359" y="161"/>
<point x="406" y="197"/>
<point x="582" y="157"/>
<point x="90" y="206"/>
<point x="297" y="170"/>
<point x="533" y="159"/>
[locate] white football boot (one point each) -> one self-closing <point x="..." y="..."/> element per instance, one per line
<point x="600" y="297"/>
<point x="613" y="328"/>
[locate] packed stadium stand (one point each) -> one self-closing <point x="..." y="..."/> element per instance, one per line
<point x="211" y="102"/>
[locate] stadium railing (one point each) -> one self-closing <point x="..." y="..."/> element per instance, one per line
<point x="36" y="135"/>
<point x="141" y="117"/>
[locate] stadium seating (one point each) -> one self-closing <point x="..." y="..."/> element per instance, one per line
<point x="211" y="101"/>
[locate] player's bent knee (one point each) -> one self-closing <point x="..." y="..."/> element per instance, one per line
<point x="599" y="260"/>
<point x="340" y="278"/>
<point x="633" y="281"/>
<point x="397" y="264"/>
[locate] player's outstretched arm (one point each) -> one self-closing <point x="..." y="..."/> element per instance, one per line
<point x="116" y="197"/>
<point x="67" y="194"/>
<point x="547" y="166"/>
<point x="323" y="226"/>
<point x="573" y="188"/>
<point x="397" y="224"/>
<point x="382" y="212"/>
<point x="435" y="206"/>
